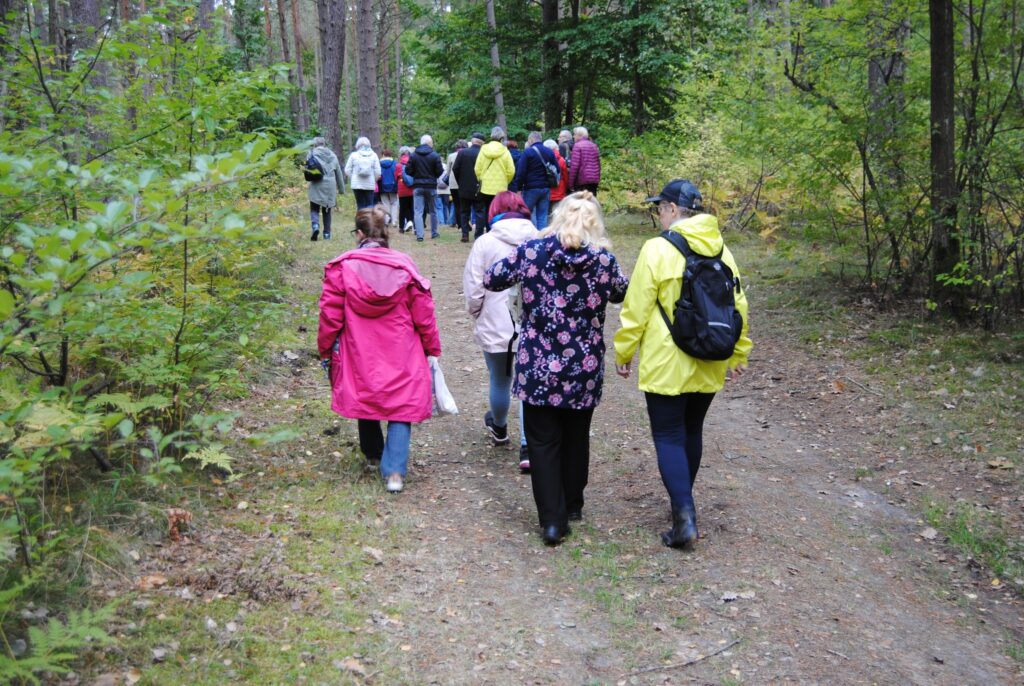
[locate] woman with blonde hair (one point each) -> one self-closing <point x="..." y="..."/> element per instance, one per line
<point x="567" y="277"/>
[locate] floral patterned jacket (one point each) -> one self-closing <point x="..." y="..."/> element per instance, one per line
<point x="564" y="292"/>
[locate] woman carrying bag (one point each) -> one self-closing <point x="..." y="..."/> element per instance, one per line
<point x="375" y="311"/>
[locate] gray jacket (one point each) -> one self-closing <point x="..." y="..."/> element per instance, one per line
<point x="325" y="192"/>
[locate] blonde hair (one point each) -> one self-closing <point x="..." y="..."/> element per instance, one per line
<point x="578" y="223"/>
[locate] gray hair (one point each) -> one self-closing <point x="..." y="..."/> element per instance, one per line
<point x="497" y="134"/>
<point x="564" y="133"/>
<point x="581" y="131"/>
<point x="319" y="142"/>
<point x="426" y="139"/>
<point x="362" y="142"/>
<point x="534" y="137"/>
<point x="550" y="144"/>
<point x="404" y="150"/>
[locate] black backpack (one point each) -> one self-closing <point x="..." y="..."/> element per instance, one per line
<point x="313" y="171"/>
<point x="707" y="323"/>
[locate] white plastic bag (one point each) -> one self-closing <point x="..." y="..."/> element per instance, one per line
<point x="444" y="403"/>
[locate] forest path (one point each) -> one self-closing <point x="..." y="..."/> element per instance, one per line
<point x="802" y="575"/>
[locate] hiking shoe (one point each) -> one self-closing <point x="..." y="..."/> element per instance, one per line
<point x="498" y="434"/>
<point x="395" y="484"/>
<point x="465" y="239"/>
<point x="524" y="460"/>
<point x="315" y="234"/>
<point x="327" y="235"/>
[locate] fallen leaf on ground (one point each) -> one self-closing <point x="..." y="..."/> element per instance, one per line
<point x="150" y="581"/>
<point x="350" y="664"/>
<point x="929" y="534"/>
<point x="1000" y="463"/>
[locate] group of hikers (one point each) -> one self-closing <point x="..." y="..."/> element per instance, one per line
<point x="458" y="189"/>
<point x="537" y="296"/>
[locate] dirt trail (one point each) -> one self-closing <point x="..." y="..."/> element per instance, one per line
<point x="802" y="574"/>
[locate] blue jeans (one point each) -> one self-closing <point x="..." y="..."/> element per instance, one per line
<point x="538" y="200"/>
<point x="677" y="427"/>
<point x="500" y="391"/>
<point x="424" y="198"/>
<point x="395" y="458"/>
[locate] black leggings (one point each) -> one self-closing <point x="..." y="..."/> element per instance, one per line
<point x="404" y="211"/>
<point x="559" y="443"/>
<point x="314" y="217"/>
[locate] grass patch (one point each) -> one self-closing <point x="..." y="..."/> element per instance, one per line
<point x="982" y="536"/>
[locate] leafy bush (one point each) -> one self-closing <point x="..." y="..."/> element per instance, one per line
<point x="133" y="284"/>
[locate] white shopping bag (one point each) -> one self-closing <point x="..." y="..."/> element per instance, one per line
<point x="444" y="403"/>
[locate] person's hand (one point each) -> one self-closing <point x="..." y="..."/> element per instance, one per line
<point x="736" y="373"/>
<point x="624" y="370"/>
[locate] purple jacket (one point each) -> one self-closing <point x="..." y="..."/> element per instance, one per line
<point x="586" y="164"/>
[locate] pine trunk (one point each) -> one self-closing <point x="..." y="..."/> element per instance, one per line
<point x="300" y="77"/>
<point x="369" y="110"/>
<point x="499" y="100"/>
<point x="331" y="14"/>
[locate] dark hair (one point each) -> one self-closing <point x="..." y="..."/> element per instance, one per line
<point x="372" y="221"/>
<point x="512" y="145"/>
<point x="386" y="152"/>
<point x="461" y="143"/>
<point x="507" y="201"/>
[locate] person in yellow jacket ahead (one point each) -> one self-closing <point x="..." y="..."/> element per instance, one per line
<point x="494" y="170"/>
<point x="678" y="388"/>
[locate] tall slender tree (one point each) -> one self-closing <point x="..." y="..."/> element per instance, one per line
<point x="300" y="77"/>
<point x="332" y="16"/>
<point x="499" y="99"/>
<point x="945" y="244"/>
<point x="369" y="111"/>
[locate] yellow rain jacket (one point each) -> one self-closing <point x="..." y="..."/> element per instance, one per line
<point x="658" y="277"/>
<point x="494" y="168"/>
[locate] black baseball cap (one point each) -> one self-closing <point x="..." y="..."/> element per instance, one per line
<point x="682" y="193"/>
<point x="477" y="134"/>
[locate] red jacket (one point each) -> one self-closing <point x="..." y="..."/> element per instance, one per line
<point x="379" y="310"/>
<point x="403" y="190"/>
<point x="586" y="164"/>
<point x="560" y="191"/>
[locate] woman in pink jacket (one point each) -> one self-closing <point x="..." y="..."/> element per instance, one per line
<point x="375" y="308"/>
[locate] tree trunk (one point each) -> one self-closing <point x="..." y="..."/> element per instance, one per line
<point x="943" y="162"/>
<point x="398" y="77"/>
<point x="499" y="100"/>
<point x="205" y="12"/>
<point x="346" y="74"/>
<point x="293" y="99"/>
<point x="331" y="14"/>
<point x="268" y="32"/>
<point x="552" y="67"/>
<point x="369" y="111"/>
<point x="300" y="77"/>
<point x="570" y="85"/>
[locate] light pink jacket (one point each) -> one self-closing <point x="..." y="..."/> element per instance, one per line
<point x="493" y="326"/>
<point x="379" y="309"/>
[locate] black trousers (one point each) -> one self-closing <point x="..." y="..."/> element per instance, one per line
<point x="559" y="443"/>
<point x="404" y="211"/>
<point x="371" y="439"/>
<point x="466" y="206"/>
<point x="483" y="206"/>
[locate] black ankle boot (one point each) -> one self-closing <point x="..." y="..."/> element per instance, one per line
<point x="683" y="533"/>
<point x="552" y="534"/>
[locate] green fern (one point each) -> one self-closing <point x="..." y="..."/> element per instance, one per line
<point x="212" y="455"/>
<point x="53" y="647"/>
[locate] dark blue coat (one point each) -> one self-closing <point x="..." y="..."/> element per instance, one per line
<point x="530" y="172"/>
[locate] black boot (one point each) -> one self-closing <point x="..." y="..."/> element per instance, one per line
<point x="552" y="534"/>
<point x="683" y="533"/>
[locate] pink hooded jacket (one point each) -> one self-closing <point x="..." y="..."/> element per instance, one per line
<point x="379" y="309"/>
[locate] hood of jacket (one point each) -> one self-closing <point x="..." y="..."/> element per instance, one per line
<point x="513" y="231"/>
<point x="424" y="150"/>
<point x="364" y="153"/>
<point x="325" y="155"/>
<point x="375" y="279"/>
<point x="493" y="150"/>
<point x="701" y="232"/>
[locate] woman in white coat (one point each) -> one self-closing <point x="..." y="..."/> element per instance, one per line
<point x="363" y="170"/>
<point x="495" y="327"/>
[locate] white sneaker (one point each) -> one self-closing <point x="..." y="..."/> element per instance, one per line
<point x="395" y="484"/>
<point x="409" y="226"/>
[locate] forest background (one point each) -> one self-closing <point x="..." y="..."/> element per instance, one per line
<point x="143" y="149"/>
